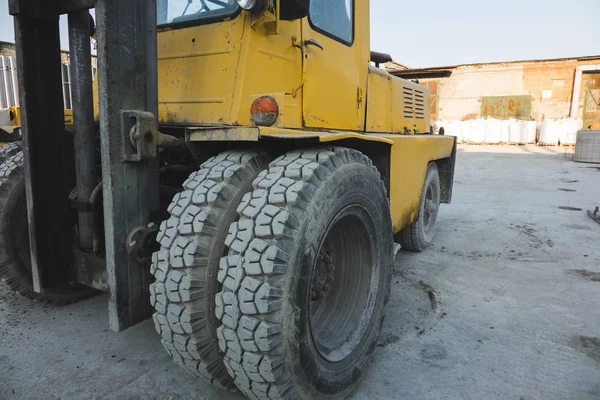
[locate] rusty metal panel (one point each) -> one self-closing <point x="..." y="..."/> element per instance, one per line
<point x="591" y="106"/>
<point x="506" y="107"/>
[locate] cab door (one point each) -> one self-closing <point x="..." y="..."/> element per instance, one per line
<point x="336" y="46"/>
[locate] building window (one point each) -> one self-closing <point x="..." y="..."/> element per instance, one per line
<point x="334" y="18"/>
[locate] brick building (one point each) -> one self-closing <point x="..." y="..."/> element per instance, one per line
<point x="536" y="89"/>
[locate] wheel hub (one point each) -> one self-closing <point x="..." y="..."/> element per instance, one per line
<point x="323" y="277"/>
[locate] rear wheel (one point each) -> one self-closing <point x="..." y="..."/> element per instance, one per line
<point x="307" y="276"/>
<point x="186" y="266"/>
<point x="15" y="262"/>
<point x="419" y="235"/>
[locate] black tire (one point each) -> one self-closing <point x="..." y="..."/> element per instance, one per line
<point x="419" y="235"/>
<point x="9" y="150"/>
<point x="15" y="264"/>
<point x="310" y="213"/>
<point x="186" y="266"/>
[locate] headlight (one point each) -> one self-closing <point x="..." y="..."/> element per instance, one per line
<point x="251" y="5"/>
<point x="264" y="111"/>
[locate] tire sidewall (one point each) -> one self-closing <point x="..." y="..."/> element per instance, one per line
<point x="10" y="217"/>
<point x="432" y="177"/>
<point x="349" y="184"/>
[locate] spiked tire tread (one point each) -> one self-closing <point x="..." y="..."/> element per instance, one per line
<point x="9" y="150"/>
<point x="186" y="266"/>
<point x="260" y="242"/>
<point x="12" y="269"/>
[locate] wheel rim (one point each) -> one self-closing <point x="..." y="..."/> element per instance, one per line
<point x="343" y="287"/>
<point x="430" y="210"/>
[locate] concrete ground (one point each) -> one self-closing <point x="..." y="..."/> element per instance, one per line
<point x="504" y="306"/>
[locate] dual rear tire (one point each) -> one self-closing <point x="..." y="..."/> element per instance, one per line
<point x="268" y="269"/>
<point x="273" y="276"/>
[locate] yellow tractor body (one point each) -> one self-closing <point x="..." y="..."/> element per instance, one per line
<point x="212" y="69"/>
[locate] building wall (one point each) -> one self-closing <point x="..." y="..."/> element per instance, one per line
<point x="8" y="49"/>
<point x="549" y="83"/>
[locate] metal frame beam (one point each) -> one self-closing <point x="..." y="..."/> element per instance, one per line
<point x="42" y="110"/>
<point x="124" y="84"/>
<point x="83" y="121"/>
<point x="47" y="9"/>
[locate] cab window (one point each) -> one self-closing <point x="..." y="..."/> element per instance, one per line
<point x="334" y="18"/>
<point x="173" y="12"/>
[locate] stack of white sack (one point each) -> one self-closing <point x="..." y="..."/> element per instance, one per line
<point x="549" y="134"/>
<point x="4" y="116"/>
<point x="493" y="131"/>
<point x="496" y="131"/>
<point x="478" y="131"/>
<point x="568" y="131"/>
<point x="555" y="131"/>
<point x="522" y="132"/>
<point x="505" y="131"/>
<point x="467" y="129"/>
<point x="475" y="131"/>
<point x="454" y="128"/>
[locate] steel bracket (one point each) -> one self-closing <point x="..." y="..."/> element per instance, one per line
<point x="141" y="126"/>
<point x="141" y="242"/>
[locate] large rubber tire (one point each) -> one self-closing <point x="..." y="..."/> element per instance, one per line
<point x="15" y="264"/>
<point x="418" y="236"/>
<point x="186" y="266"/>
<point x="9" y="150"/>
<point x="307" y="201"/>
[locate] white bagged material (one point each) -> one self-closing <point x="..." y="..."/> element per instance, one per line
<point x="568" y="131"/>
<point x="454" y="128"/>
<point x="549" y="133"/>
<point x="4" y="116"/>
<point x="522" y="132"/>
<point x="517" y="132"/>
<point x="493" y="131"/>
<point x="478" y="131"/>
<point x="530" y="131"/>
<point x="505" y="136"/>
<point x="467" y="127"/>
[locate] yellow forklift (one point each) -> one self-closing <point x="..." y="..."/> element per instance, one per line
<point x="243" y="181"/>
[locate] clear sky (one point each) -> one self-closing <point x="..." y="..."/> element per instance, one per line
<point x="447" y="32"/>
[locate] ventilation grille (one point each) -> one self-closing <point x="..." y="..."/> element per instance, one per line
<point x="414" y="103"/>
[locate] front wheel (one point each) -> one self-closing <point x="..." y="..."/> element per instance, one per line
<point x="307" y="276"/>
<point x="419" y="235"/>
<point x="15" y="259"/>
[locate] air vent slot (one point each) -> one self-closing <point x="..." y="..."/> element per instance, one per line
<point x="414" y="103"/>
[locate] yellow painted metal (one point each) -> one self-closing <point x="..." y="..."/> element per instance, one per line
<point x="211" y="74"/>
<point x="322" y="136"/>
<point x="410" y="156"/>
<point x="396" y="105"/>
<point x="411" y="107"/>
<point x="69" y="117"/>
<point x="199" y="69"/>
<point x="380" y="102"/>
<point x="335" y="89"/>
<point x="15" y="113"/>
<point x="16" y="117"/>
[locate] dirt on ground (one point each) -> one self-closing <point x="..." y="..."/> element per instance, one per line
<point x="503" y="306"/>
